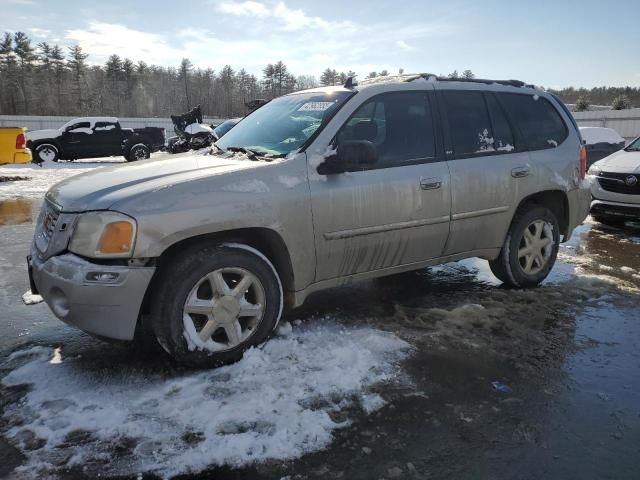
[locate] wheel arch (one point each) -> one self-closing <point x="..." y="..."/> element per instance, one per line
<point x="556" y="201"/>
<point x="266" y="241"/>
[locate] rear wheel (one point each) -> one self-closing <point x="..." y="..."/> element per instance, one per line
<point x="46" y="152"/>
<point x="138" y="152"/>
<point x="530" y="249"/>
<point x="213" y="303"/>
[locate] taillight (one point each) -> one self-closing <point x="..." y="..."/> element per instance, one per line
<point x="583" y="161"/>
<point x="21" y="141"/>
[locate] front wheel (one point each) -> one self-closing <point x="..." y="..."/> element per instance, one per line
<point x="213" y="303"/>
<point x="530" y="249"/>
<point x="138" y="152"/>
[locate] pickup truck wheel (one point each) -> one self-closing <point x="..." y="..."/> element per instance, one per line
<point x="214" y="303"/>
<point x="47" y="152"/>
<point x="138" y="152"/>
<point x="530" y="249"/>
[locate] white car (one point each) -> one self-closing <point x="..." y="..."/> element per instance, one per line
<point x="615" y="186"/>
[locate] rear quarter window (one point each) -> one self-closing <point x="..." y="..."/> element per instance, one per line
<point x="537" y="119"/>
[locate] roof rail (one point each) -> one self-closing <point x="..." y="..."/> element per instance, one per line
<point x="512" y="83"/>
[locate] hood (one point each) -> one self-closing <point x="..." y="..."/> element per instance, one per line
<point x="41" y="134"/>
<point x="620" y="162"/>
<point x="99" y="189"/>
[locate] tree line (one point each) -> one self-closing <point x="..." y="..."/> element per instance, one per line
<point x="46" y="79"/>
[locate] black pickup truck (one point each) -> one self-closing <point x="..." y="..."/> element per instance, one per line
<point x="91" y="137"/>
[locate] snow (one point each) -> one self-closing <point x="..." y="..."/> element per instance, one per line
<point x="198" y="128"/>
<point x="247" y="186"/>
<point x="289" y="181"/>
<point x="29" y="298"/>
<point x="593" y="135"/>
<point x="273" y="404"/>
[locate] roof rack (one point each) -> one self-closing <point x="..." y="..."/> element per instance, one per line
<point x="486" y="81"/>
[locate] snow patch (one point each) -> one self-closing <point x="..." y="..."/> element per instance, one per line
<point x="247" y="186"/>
<point x="289" y="181"/>
<point x="29" y="298"/>
<point x="273" y="404"/>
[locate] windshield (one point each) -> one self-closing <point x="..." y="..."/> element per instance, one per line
<point x="224" y="127"/>
<point x="634" y="146"/>
<point x="284" y="124"/>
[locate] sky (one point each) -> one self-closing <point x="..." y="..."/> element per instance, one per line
<point x="552" y="43"/>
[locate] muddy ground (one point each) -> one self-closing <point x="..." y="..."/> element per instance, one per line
<point x="495" y="383"/>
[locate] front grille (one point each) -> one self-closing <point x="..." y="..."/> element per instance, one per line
<point x="617" y="183"/>
<point x="46" y="225"/>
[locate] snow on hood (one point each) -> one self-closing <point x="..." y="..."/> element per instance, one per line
<point x="101" y="188"/>
<point x="620" y="162"/>
<point x="41" y="134"/>
<point x="273" y="404"/>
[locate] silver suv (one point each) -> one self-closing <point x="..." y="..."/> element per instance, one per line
<point x="313" y="190"/>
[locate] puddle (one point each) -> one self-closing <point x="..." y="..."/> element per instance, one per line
<point x="17" y="211"/>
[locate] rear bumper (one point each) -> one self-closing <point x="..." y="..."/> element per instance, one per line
<point x="579" y="200"/>
<point x="109" y="309"/>
<point x="23" y="156"/>
<point x="615" y="209"/>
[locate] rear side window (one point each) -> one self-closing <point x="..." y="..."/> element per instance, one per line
<point x="104" y="126"/>
<point x="469" y="123"/>
<point x="502" y="134"/>
<point x="540" y="123"/>
<point x="399" y="124"/>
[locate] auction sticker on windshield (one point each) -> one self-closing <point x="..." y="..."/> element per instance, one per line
<point x="315" y="106"/>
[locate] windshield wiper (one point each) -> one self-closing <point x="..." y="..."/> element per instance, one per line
<point x="252" y="153"/>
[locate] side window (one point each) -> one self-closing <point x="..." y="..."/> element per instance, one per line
<point x="503" y="140"/>
<point x="399" y="124"/>
<point x="104" y="126"/>
<point x="469" y="123"/>
<point x="80" y="127"/>
<point x="538" y="120"/>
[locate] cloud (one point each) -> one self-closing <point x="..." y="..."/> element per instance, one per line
<point x="402" y="45"/>
<point x="104" y="39"/>
<point x="289" y="19"/>
<point x="245" y="9"/>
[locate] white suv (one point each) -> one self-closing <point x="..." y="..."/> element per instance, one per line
<point x="313" y="190"/>
<point x="615" y="186"/>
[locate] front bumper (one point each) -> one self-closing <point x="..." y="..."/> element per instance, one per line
<point x="107" y="308"/>
<point x="615" y="209"/>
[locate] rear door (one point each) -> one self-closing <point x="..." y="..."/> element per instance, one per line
<point x="490" y="169"/>
<point x="106" y="139"/>
<point x="395" y="212"/>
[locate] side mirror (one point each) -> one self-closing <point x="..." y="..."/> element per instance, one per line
<point x="350" y="155"/>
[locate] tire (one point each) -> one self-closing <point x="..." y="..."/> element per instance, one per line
<point x="610" y="221"/>
<point x="46" y="152"/>
<point x="138" y="152"/>
<point x="188" y="301"/>
<point x="542" y="240"/>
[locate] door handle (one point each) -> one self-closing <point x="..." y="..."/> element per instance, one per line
<point x="520" y="172"/>
<point x="430" y="183"/>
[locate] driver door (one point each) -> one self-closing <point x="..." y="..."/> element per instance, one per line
<point x="395" y="212"/>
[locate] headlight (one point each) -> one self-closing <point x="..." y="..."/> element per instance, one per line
<point x="593" y="170"/>
<point x="103" y="235"/>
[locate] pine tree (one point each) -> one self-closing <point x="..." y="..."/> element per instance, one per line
<point x="185" y="70"/>
<point x="78" y="67"/>
<point x="582" y="104"/>
<point x="25" y="57"/>
<point x="468" y="74"/>
<point x="621" y="102"/>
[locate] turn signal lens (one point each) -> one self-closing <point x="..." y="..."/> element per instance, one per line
<point x="117" y="237"/>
